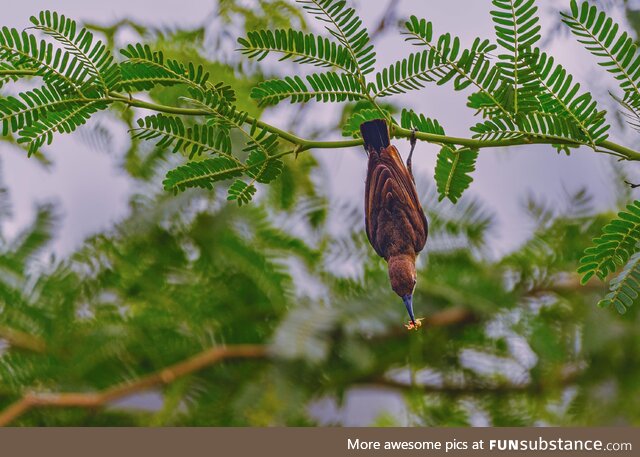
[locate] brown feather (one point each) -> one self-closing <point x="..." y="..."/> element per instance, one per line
<point x="395" y="221"/>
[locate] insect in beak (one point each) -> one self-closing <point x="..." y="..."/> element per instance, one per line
<point x="408" y="303"/>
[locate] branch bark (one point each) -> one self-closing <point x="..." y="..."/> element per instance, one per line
<point x="165" y="376"/>
<point x="21" y="340"/>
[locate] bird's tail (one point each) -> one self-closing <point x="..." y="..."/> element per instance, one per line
<point x="375" y="134"/>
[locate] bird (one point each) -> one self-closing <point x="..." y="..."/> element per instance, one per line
<point x="395" y="222"/>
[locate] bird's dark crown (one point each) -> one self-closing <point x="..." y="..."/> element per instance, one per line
<point x="375" y="134"/>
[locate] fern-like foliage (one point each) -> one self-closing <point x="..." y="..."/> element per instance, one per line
<point x="241" y="192"/>
<point x="263" y="162"/>
<point x="78" y="77"/>
<point x="528" y="125"/>
<point x="614" y="247"/>
<point x="516" y="26"/>
<point x="32" y="241"/>
<point x="55" y="66"/>
<point x="410" y="74"/>
<point x="326" y="87"/>
<point x="345" y="25"/>
<point x="524" y="95"/>
<point x="601" y="36"/>
<point x="468" y="67"/>
<point x="453" y="171"/>
<point x="30" y="106"/>
<point x="453" y="166"/>
<point x="300" y="47"/>
<point x="625" y="287"/>
<point x="64" y="121"/>
<point x="562" y="97"/>
<point x="409" y="119"/>
<point x="352" y="126"/>
<point x="37" y="114"/>
<point x="145" y="68"/>
<point x="202" y="173"/>
<point x="93" y="56"/>
<point x="172" y="133"/>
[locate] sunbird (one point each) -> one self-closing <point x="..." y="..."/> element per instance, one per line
<point x="396" y="225"/>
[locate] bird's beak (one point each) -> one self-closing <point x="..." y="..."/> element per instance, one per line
<point x="408" y="302"/>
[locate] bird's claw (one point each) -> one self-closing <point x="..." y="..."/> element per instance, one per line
<point x="416" y="325"/>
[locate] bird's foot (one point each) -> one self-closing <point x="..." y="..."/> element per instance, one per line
<point x="416" y="326"/>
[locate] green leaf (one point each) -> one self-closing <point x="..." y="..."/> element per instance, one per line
<point x="453" y="169"/>
<point x="64" y="121"/>
<point x="30" y="242"/>
<point x="241" y="192"/>
<point x="465" y="68"/>
<point x="325" y="87"/>
<point x="5" y="78"/>
<point x="202" y="173"/>
<point x="145" y="69"/>
<point x="303" y="48"/>
<point x="412" y="120"/>
<point x="192" y="141"/>
<point x="57" y="67"/>
<point x="516" y="26"/>
<point x="344" y="24"/>
<point x="617" y="52"/>
<point x="409" y="74"/>
<point x="262" y="168"/>
<point x="624" y="288"/>
<point x="561" y="96"/>
<point x="18" y="112"/>
<point x="535" y="125"/>
<point x="614" y="247"/>
<point x="93" y="56"/>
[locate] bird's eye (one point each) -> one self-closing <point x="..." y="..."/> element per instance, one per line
<point x="414" y="281"/>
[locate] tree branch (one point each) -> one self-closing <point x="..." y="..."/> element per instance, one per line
<point x="18" y="73"/>
<point x="396" y="131"/>
<point x="21" y="340"/>
<point x="164" y="376"/>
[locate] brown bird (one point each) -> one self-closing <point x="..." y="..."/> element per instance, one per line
<point x="396" y="225"/>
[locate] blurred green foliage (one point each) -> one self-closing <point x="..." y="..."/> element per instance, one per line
<point x="506" y="342"/>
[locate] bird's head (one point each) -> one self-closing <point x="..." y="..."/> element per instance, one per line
<point x="402" y="273"/>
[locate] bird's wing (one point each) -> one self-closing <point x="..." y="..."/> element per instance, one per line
<point x="390" y="187"/>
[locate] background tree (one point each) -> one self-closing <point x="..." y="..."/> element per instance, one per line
<point x="249" y="316"/>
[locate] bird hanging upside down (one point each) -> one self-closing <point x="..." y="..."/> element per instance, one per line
<point x="396" y="225"/>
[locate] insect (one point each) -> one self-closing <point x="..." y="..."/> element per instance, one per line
<point x="396" y="225"/>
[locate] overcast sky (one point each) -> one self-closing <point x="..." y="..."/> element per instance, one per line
<point x="92" y="191"/>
